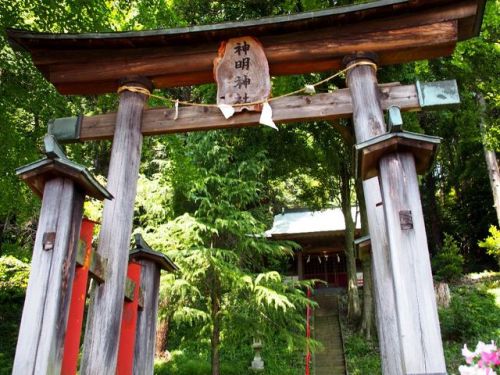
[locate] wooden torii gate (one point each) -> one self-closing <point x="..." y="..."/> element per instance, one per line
<point x="383" y="33"/>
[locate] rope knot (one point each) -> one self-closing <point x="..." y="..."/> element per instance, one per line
<point x="137" y="89"/>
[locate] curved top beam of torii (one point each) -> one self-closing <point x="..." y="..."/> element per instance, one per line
<point x="397" y="31"/>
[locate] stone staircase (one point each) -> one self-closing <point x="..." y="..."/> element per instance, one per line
<point x="326" y="329"/>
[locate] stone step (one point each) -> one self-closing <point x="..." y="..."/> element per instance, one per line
<point x="331" y="371"/>
<point x="326" y="329"/>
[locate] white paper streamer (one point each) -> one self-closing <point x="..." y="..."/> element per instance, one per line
<point x="176" y="116"/>
<point x="266" y="117"/>
<point x="226" y="110"/>
<point x="309" y="89"/>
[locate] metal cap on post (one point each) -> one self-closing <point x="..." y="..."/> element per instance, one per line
<point x="56" y="164"/>
<point x="152" y="263"/>
<point x="368" y="154"/>
<point x="142" y="251"/>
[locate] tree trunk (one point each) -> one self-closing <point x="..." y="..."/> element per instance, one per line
<point x="443" y="294"/>
<point x="432" y="213"/>
<point x="162" y="337"/>
<point x="491" y="160"/>
<point x="215" y="339"/>
<point x="3" y="229"/>
<point x="353" y="305"/>
<point x="367" y="317"/>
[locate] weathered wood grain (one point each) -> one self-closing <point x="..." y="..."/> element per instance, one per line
<point x="457" y="10"/>
<point x="146" y="322"/>
<point x="385" y="305"/>
<point x="104" y="318"/>
<point x="327" y="106"/>
<point x="286" y="56"/>
<point x="43" y="325"/>
<point x="368" y="123"/>
<point x="418" y="321"/>
<point x="242" y="73"/>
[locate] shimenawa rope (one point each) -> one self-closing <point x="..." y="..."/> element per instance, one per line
<point x="144" y="91"/>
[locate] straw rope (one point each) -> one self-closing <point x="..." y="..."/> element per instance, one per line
<point x="144" y="91"/>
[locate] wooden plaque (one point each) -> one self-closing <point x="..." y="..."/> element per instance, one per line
<point x="242" y="73"/>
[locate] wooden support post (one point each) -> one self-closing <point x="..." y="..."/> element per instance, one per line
<point x="385" y="304"/>
<point x="63" y="186"/>
<point x="369" y="122"/>
<point x="152" y="263"/>
<point x="420" y="334"/>
<point x="41" y="335"/>
<point x="78" y="297"/>
<point x="104" y="318"/>
<point x="300" y="264"/>
<point x="145" y="338"/>
<point x="125" y="363"/>
<point x="415" y="309"/>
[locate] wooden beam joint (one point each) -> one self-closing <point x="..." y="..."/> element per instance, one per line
<point x="129" y="292"/>
<point x="95" y="262"/>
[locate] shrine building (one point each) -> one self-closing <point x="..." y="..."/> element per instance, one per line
<point x="320" y="235"/>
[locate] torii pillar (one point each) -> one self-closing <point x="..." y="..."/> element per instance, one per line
<point x="105" y="312"/>
<point x="408" y="321"/>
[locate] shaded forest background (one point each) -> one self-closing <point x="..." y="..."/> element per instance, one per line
<point x="201" y="194"/>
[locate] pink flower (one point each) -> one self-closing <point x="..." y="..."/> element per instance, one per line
<point x="489" y="358"/>
<point x="483" y="361"/>
<point x="468" y="354"/>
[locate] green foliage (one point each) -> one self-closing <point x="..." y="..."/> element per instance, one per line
<point x="492" y="243"/>
<point x="13" y="282"/>
<point x="225" y="284"/>
<point x="180" y="365"/>
<point x="473" y="315"/>
<point x="14" y="276"/>
<point x="447" y="264"/>
<point x="362" y="355"/>
<point x="453" y="356"/>
<point x="205" y="199"/>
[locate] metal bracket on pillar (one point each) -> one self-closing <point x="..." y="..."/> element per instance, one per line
<point x="49" y="238"/>
<point x="56" y="163"/>
<point x="395" y="120"/>
<point x="65" y="129"/>
<point x="423" y="147"/>
<point x="437" y="94"/>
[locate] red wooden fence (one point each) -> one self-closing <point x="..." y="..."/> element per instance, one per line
<point x="77" y="306"/>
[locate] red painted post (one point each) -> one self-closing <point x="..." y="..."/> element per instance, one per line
<point x="77" y="306"/>
<point x="125" y="365"/>
<point x="308" y="333"/>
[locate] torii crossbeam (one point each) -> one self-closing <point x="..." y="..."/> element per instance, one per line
<point x="386" y="32"/>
